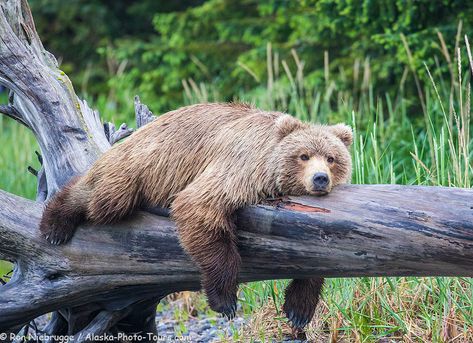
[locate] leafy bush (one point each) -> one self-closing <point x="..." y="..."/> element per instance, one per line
<point x="223" y="42"/>
<point x="152" y="46"/>
<point x="80" y="32"/>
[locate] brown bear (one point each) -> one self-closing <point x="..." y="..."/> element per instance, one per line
<point x="205" y="161"/>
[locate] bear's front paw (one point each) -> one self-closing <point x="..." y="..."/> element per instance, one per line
<point x="299" y="315"/>
<point x="301" y="301"/>
<point x="225" y="304"/>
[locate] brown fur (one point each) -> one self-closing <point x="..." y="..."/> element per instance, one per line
<point x="206" y="161"/>
<point x="62" y="214"/>
<point x="301" y="300"/>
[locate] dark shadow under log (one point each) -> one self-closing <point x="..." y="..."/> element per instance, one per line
<point x="376" y="230"/>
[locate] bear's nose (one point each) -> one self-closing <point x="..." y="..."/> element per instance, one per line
<point x="320" y="181"/>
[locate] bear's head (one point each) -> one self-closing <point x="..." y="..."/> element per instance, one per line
<point x="311" y="159"/>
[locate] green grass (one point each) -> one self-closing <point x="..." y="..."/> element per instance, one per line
<point x="396" y="141"/>
<point x="16" y="154"/>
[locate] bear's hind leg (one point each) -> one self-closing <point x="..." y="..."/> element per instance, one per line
<point x="62" y="214"/>
<point x="114" y="196"/>
<point x="302" y="296"/>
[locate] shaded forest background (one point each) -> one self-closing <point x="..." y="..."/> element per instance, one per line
<point x="151" y="47"/>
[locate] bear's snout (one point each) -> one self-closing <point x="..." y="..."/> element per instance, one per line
<point x="320" y="181"/>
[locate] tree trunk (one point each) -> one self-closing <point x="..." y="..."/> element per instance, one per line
<point x="110" y="278"/>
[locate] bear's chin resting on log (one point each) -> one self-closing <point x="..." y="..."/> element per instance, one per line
<point x="205" y="162"/>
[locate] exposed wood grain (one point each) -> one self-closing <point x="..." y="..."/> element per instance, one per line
<point x="99" y="325"/>
<point x="45" y="100"/>
<point x="114" y="135"/>
<point x="142" y="113"/>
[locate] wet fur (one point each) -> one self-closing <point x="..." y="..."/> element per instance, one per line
<point x="205" y="161"/>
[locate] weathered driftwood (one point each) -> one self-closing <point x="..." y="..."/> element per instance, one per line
<point x="110" y="278"/>
<point x="43" y="98"/>
<point x="69" y="133"/>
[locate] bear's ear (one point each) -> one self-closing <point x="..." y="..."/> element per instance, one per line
<point x="286" y="124"/>
<point x="344" y="132"/>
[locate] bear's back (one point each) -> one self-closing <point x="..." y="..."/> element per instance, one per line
<point x="170" y="152"/>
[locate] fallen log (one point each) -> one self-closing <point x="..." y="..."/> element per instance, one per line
<point x="110" y="278"/>
<point x="371" y="230"/>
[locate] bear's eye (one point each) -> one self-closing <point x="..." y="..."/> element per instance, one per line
<point x="304" y="157"/>
<point x="330" y="159"/>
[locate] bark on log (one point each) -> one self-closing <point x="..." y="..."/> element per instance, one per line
<point x="110" y="278"/>
<point x="355" y="231"/>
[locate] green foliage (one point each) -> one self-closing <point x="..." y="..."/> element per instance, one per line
<point x="152" y="47"/>
<point x="80" y="32"/>
<point x="223" y="42"/>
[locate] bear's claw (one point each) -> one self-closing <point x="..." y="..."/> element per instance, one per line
<point x="299" y="319"/>
<point x="226" y="305"/>
<point x="57" y="237"/>
<point x="228" y="311"/>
